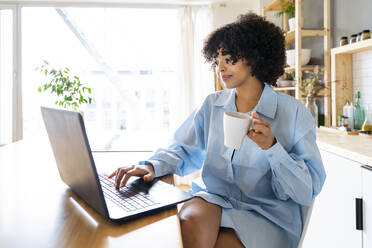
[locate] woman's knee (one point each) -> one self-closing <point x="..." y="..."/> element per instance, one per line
<point x="200" y="221"/>
<point x="190" y="212"/>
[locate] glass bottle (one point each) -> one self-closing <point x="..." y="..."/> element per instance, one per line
<point x="359" y="37"/>
<point x="311" y="105"/>
<point x="367" y="125"/>
<point x="350" y="115"/>
<point x="358" y="112"/>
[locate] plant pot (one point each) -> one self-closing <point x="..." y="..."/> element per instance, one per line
<point x="292" y="23"/>
<point x="291" y="56"/>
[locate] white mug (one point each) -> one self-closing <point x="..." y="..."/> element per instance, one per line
<point x="235" y="127"/>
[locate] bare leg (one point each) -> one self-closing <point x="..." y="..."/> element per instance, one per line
<point x="227" y="238"/>
<point x="200" y="222"/>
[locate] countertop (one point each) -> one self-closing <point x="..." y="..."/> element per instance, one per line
<point x="354" y="147"/>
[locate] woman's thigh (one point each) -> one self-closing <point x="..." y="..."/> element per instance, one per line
<point x="228" y="238"/>
<point x="200" y="223"/>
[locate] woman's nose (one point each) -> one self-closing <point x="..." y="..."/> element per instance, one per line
<point x="220" y="69"/>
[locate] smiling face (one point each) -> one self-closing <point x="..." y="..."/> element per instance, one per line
<point x="233" y="74"/>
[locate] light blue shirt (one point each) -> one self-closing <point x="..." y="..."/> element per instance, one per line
<point x="269" y="185"/>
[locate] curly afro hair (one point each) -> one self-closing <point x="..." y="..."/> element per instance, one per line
<point x="254" y="39"/>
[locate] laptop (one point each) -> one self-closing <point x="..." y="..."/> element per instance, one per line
<point x="77" y="169"/>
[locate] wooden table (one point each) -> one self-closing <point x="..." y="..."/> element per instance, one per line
<point x="38" y="210"/>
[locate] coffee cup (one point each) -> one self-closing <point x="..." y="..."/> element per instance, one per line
<point x="235" y="127"/>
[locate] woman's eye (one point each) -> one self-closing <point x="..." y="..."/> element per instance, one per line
<point x="229" y="61"/>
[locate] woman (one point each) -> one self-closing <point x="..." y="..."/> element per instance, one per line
<point x="252" y="195"/>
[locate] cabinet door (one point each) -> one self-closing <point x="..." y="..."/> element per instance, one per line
<point x="367" y="206"/>
<point x="333" y="220"/>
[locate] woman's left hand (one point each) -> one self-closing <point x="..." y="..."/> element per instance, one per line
<point x="261" y="132"/>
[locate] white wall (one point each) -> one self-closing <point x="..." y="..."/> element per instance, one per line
<point x="226" y="11"/>
<point x="362" y="76"/>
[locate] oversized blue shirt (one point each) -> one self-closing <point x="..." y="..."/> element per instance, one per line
<point x="270" y="184"/>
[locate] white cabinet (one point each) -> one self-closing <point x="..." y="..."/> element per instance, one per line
<point x="367" y="206"/>
<point x="333" y="220"/>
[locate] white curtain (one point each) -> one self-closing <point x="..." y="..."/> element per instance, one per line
<point x="196" y="77"/>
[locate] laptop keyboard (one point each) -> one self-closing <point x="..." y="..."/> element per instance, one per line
<point x="127" y="197"/>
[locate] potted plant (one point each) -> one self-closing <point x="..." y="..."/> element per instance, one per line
<point x="70" y="92"/>
<point x="288" y="7"/>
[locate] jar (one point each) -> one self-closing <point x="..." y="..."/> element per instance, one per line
<point x="366" y="35"/>
<point x="359" y="37"/>
<point x="343" y="41"/>
<point x="353" y="38"/>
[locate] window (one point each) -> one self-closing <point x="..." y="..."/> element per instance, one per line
<point x="6" y="74"/>
<point x="127" y="56"/>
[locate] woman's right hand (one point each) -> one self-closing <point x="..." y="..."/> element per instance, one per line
<point x="123" y="174"/>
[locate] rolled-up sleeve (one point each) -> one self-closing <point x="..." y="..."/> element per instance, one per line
<point x="298" y="174"/>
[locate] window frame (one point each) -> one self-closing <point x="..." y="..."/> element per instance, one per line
<point x="17" y="111"/>
<point x="17" y="128"/>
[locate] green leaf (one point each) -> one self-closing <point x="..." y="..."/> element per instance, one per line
<point x="69" y="93"/>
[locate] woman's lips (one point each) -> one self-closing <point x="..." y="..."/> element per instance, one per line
<point x="226" y="77"/>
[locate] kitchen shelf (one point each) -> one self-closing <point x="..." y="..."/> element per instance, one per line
<point x="296" y="36"/>
<point x="357" y="47"/>
<point x="284" y="88"/>
<point x="342" y="75"/>
<point x="322" y="92"/>
<point x="273" y="6"/>
<point x="303" y="68"/>
<point x="305" y="33"/>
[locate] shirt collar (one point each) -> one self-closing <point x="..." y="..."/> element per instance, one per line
<point x="266" y="106"/>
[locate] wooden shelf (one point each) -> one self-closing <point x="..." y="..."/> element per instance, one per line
<point x="303" y="68"/>
<point x="284" y="88"/>
<point x="305" y="33"/>
<point x="296" y="36"/>
<point x="342" y="75"/>
<point x="357" y="47"/>
<point x="273" y="6"/>
<point x="322" y="92"/>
